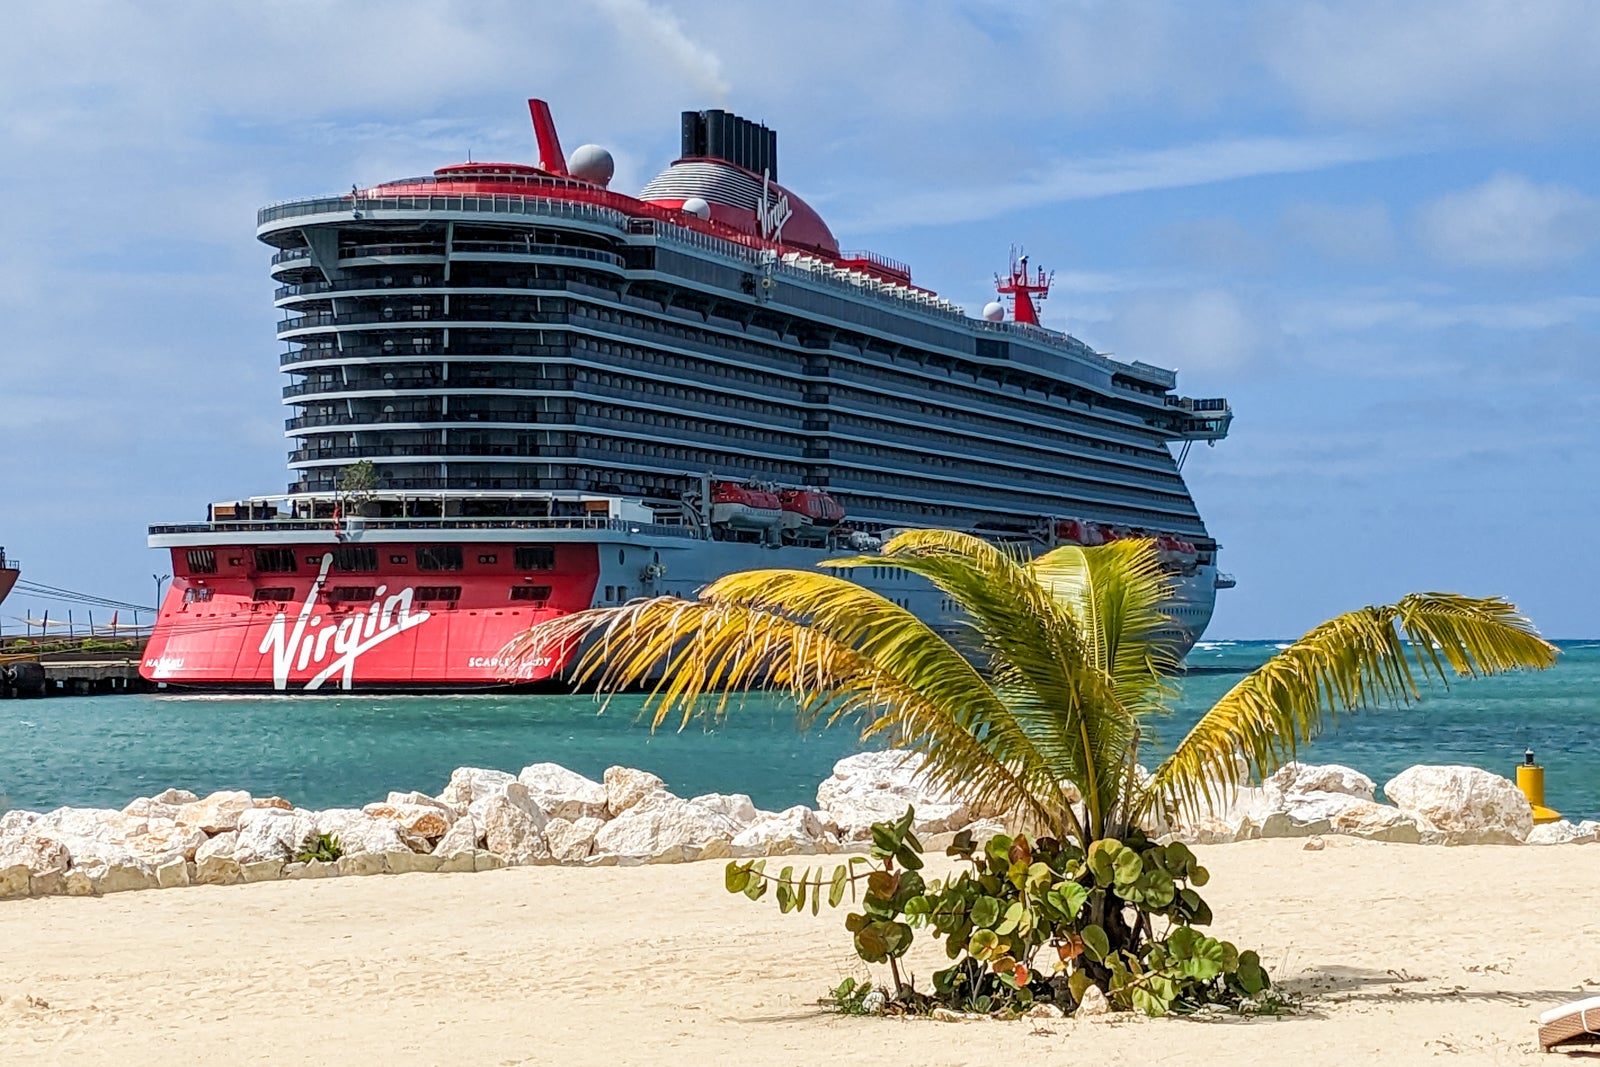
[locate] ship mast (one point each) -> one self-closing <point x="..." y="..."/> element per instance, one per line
<point x="1022" y="288"/>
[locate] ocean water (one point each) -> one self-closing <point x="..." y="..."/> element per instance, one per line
<point x="333" y="751"/>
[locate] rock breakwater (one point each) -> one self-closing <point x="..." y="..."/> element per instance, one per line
<point x="486" y="819"/>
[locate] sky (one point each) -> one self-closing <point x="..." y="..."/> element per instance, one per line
<point x="1372" y="226"/>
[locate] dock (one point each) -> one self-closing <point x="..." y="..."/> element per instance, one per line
<point x="70" y="672"/>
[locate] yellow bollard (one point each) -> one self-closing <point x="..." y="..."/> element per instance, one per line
<point x="1530" y="779"/>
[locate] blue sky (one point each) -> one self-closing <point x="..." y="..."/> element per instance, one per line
<point x="1373" y="227"/>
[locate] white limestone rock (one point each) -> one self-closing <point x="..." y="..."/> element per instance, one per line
<point x="93" y="836"/>
<point x="736" y="806"/>
<point x="311" y="869"/>
<point x="1561" y="832"/>
<point x="261" y="871"/>
<point x="1380" y="822"/>
<point x="1468" y="805"/>
<point x="359" y="833"/>
<point x="425" y="821"/>
<point x="50" y="884"/>
<point x="175" y="797"/>
<point x="1293" y="778"/>
<point x="364" y="863"/>
<point x="469" y="784"/>
<point x="564" y="794"/>
<point x="173" y="874"/>
<point x="273" y="834"/>
<point x="15" y="880"/>
<point x="39" y="855"/>
<point x="151" y="808"/>
<point x="626" y="786"/>
<point x="414" y="797"/>
<point x="164" y="840"/>
<point x="571" y="841"/>
<point x="1094" y="1004"/>
<point x="77" y="883"/>
<point x="466" y="835"/>
<point x="513" y="825"/>
<point x="121" y="877"/>
<point x="873" y="787"/>
<point x="218" y="847"/>
<point x="16" y="822"/>
<point x="217" y="813"/>
<point x="793" y="831"/>
<point x="1318" y="806"/>
<point x="409" y="862"/>
<point x="666" y="830"/>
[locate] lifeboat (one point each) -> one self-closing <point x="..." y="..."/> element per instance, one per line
<point x="744" y="507"/>
<point x="1176" y="552"/>
<point x="812" y="507"/>
<point x="1079" y="532"/>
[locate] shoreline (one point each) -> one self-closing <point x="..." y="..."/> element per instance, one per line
<point x="1402" y="953"/>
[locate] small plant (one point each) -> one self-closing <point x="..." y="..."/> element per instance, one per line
<point x="324" y="848"/>
<point x="851" y="997"/>
<point x="1033" y="920"/>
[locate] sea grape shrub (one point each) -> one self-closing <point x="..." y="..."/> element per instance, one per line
<point x="1027" y="920"/>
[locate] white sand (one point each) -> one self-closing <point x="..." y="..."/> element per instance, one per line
<point x="1407" y="954"/>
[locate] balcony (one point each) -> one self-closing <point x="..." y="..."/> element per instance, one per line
<point x="458" y="385"/>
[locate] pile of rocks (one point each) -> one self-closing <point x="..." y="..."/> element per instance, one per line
<point x="1447" y="805"/>
<point x="547" y="814"/>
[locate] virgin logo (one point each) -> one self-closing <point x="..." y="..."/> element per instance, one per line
<point x="772" y="214"/>
<point x="309" y="643"/>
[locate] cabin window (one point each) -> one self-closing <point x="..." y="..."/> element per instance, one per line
<point x="340" y="594"/>
<point x="353" y="559"/>
<point x="438" y="592"/>
<point x="536" y="558"/>
<point x="530" y="592"/>
<point x="202" y="561"/>
<point x="195" y="594"/>
<point x="611" y="593"/>
<point x="273" y="592"/>
<point x="439" y="557"/>
<point x="276" y="560"/>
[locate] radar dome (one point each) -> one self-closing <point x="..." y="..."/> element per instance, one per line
<point x="697" y="207"/>
<point x="591" y="163"/>
<point x="994" y="311"/>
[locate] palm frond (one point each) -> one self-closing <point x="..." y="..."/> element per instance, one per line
<point x="1354" y="661"/>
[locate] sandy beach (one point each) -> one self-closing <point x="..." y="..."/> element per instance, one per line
<point x="1404" y="954"/>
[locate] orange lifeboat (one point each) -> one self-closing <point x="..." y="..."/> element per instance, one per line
<point x="744" y="506"/>
<point x="813" y="507"/>
<point x="1176" y="552"/>
<point x="1079" y="532"/>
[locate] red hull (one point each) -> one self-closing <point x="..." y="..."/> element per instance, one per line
<point x="320" y="628"/>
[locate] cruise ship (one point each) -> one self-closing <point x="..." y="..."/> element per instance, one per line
<point x="10" y="571"/>
<point x="514" y="392"/>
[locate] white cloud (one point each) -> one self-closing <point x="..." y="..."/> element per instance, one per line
<point x="1198" y="330"/>
<point x="1511" y="222"/>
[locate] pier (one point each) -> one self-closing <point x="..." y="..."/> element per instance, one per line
<point x="72" y="670"/>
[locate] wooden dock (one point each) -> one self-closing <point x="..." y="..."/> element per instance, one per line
<point x="70" y="673"/>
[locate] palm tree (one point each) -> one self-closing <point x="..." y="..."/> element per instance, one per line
<point x="1062" y="662"/>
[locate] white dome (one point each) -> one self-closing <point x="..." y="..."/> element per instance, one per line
<point x="994" y="311"/>
<point x="591" y="163"/>
<point x="697" y="207"/>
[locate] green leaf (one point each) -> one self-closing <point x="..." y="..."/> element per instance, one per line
<point x="983" y="943"/>
<point x="1157" y="888"/>
<point x="985" y="911"/>
<point x="855" y="921"/>
<point x="897" y="938"/>
<point x="870" y="944"/>
<point x="1069" y="897"/>
<point x="882" y="884"/>
<point x="909" y="858"/>
<point x="1101" y="856"/>
<point x="1078" y="984"/>
<point x="1252" y="978"/>
<point x="1149" y="1002"/>
<point x="1127" y="866"/>
<point x="1096" y="942"/>
<point x="836" y="891"/>
<point x="736" y="876"/>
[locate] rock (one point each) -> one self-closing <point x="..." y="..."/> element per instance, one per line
<point x="172" y="874"/>
<point x="38" y="855"/>
<point x="1380" y="822"/>
<point x="1294" y="778"/>
<point x="217" y="813"/>
<point x="271" y="833"/>
<point x="513" y="825"/>
<point x="1281" y="824"/>
<point x="175" y="797"/>
<point x="359" y="833"/>
<point x="93" y="836"/>
<point x="77" y="883"/>
<point x="121" y="878"/>
<point x="465" y="836"/>
<point x="1318" y="806"/>
<point x="1468" y="805"/>
<point x="1094" y="1003"/>
<point x="571" y="841"/>
<point x="364" y="863"/>
<point x="417" y="820"/>
<point x="946" y="1015"/>
<point x="735" y="806"/>
<point x="47" y="885"/>
<point x="564" y="794"/>
<point x="261" y="870"/>
<point x="665" y="830"/>
<point x="221" y="846"/>
<point x="165" y="840"/>
<point x="459" y="862"/>
<point x="793" y="831"/>
<point x="311" y="869"/>
<point x="1314" y="844"/>
<point x="626" y="786"/>
<point x="871" y="787"/>
<point x="16" y="822"/>
<point x="150" y="808"/>
<point x="272" y="802"/>
<point x="1044" y="1010"/>
<point x="15" y="880"/>
<point x="1550" y="833"/>
<point x="409" y="862"/>
<point x="469" y="784"/>
<point x="423" y="799"/>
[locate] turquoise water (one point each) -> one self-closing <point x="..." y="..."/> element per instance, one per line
<point x="346" y="751"/>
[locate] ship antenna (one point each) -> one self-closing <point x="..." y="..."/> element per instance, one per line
<point x="1024" y="289"/>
